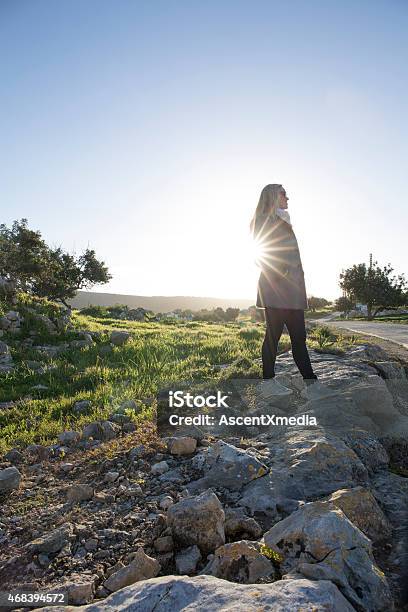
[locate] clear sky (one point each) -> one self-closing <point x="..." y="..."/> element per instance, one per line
<point x="146" y="130"/>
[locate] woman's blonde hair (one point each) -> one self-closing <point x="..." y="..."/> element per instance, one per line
<point x="268" y="203"/>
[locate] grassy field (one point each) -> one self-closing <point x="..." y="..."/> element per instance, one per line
<point x="157" y="355"/>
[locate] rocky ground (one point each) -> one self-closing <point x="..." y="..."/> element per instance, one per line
<point x="293" y="518"/>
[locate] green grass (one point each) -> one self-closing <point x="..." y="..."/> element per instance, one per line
<point x="157" y="355"/>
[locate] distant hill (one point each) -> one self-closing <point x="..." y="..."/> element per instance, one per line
<point x="156" y="303"/>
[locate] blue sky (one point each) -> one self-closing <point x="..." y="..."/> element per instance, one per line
<point x="146" y="130"/>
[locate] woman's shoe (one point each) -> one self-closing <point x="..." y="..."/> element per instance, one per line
<point x="316" y="390"/>
<point x="272" y="388"/>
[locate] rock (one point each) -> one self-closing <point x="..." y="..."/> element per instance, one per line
<point x="321" y="543"/>
<point x="4" y="349"/>
<point x="307" y="465"/>
<point x="390" y="369"/>
<point x="82" y="407"/>
<point x="231" y="467"/>
<point x="166" y="502"/>
<point x="368" y="449"/>
<point x="183" y="445"/>
<point x="91" y="544"/>
<point x="198" y="520"/>
<point x="9" y="479"/>
<point x="159" y="468"/>
<point x="79" y="492"/>
<point x="101" y="430"/>
<point x="118" y="338"/>
<point x="187" y="560"/>
<point x="69" y="437"/>
<point x="141" y="568"/>
<point x="111" y="476"/>
<point x="240" y="562"/>
<point x="239" y="523"/>
<point x="204" y="593"/>
<point x="164" y="544"/>
<point x="361" y="507"/>
<point x="79" y="589"/>
<point x="14" y="456"/>
<point x="53" y="541"/>
<point x="38" y="452"/>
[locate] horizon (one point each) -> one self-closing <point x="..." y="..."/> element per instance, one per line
<point x="147" y="132"/>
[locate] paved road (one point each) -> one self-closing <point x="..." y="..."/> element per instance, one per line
<point x="388" y="331"/>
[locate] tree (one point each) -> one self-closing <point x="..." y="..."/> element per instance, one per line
<point x="374" y="286"/>
<point x="22" y="254"/>
<point x="231" y="314"/>
<point x="344" y="304"/>
<point x="315" y="303"/>
<point x="48" y="272"/>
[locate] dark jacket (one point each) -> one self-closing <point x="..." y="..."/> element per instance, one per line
<point x="281" y="283"/>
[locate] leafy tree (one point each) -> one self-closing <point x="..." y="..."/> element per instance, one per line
<point x="344" y="304"/>
<point x="231" y="314"/>
<point x="22" y="254"/>
<point x="315" y="303"/>
<point x="48" y="272"/>
<point x="374" y="286"/>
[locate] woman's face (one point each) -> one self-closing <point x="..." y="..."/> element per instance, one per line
<point x="283" y="199"/>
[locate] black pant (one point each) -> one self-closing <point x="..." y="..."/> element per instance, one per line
<point x="295" y="322"/>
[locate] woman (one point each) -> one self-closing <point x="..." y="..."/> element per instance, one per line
<point x="281" y="290"/>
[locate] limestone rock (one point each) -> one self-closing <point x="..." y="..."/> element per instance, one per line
<point x="80" y="492"/>
<point x="141" y="568"/>
<point x="240" y="562"/>
<point x="9" y="479"/>
<point x="230" y="467"/>
<point x="187" y="560"/>
<point x="321" y="543"/>
<point x="184" y="445"/>
<point x="361" y="507"/>
<point x="204" y="593"/>
<point x="53" y="541"/>
<point x="118" y="338"/>
<point x="198" y="520"/>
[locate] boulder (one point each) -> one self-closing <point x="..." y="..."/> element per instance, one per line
<point x="69" y="437"/>
<point x="361" y="507"/>
<point x="204" y="593"/>
<point x="79" y="492"/>
<point x="241" y="562"/>
<point x="184" y="445"/>
<point x="390" y="369"/>
<point x="53" y="541"/>
<point x="141" y="567"/>
<point x="321" y="543"/>
<point x="198" y="520"/>
<point x="229" y="467"/>
<point x="118" y="338"/>
<point x="307" y="465"/>
<point x="187" y="560"/>
<point x="9" y="479"/>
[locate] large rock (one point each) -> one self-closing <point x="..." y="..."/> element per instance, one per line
<point x="361" y="507"/>
<point x="101" y="430"/>
<point x="9" y="479"/>
<point x="321" y="543"/>
<point x="229" y="467"/>
<point x="198" y="520"/>
<point x="306" y="465"/>
<point x="205" y="593"/>
<point x="141" y="568"/>
<point x="241" y="562"/>
<point x="53" y="541"/>
<point x="118" y="338"/>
